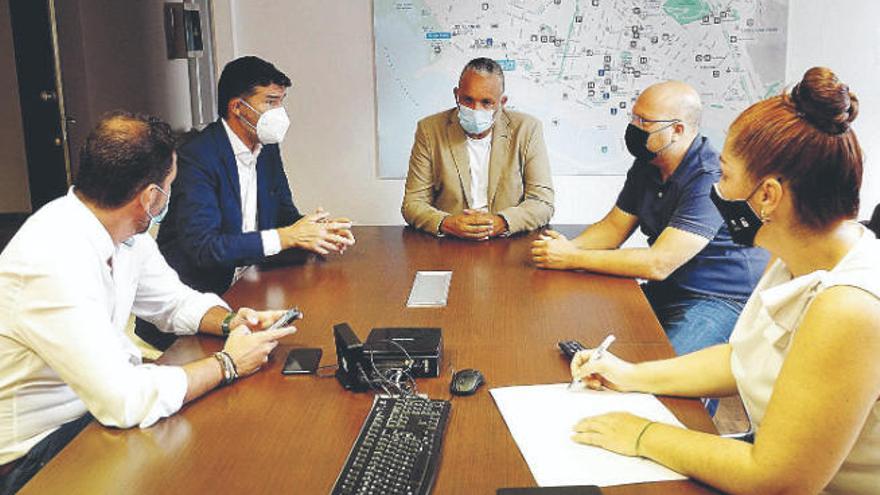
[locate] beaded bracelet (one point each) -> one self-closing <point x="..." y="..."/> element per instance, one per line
<point x="230" y="373"/>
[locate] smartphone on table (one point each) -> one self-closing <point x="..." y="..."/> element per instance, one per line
<point x="302" y="361"/>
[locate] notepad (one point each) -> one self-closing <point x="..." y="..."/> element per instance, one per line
<point x="541" y="420"/>
<point x="429" y="290"/>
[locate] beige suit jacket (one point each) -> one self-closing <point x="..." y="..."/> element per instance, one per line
<point x="438" y="183"/>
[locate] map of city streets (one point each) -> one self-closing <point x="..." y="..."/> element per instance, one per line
<point x="578" y="65"/>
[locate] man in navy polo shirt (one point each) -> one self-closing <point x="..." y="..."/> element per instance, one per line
<point x="698" y="279"/>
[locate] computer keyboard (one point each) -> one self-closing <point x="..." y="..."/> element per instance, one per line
<point x="397" y="450"/>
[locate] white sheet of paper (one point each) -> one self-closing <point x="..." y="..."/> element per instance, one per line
<point x="541" y="419"/>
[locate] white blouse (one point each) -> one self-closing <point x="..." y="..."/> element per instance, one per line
<point x="762" y="339"/>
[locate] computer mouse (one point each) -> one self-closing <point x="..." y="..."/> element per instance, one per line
<point x="466" y="382"/>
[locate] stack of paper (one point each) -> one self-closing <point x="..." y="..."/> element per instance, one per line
<point x="541" y="419"/>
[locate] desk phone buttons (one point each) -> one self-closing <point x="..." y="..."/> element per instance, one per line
<point x="570" y="348"/>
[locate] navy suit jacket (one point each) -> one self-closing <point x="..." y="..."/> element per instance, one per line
<point x="201" y="237"/>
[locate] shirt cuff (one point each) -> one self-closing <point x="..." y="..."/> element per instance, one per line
<point x="171" y="385"/>
<point x="188" y="318"/>
<point x="271" y="242"/>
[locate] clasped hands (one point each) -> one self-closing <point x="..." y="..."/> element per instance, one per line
<point x="318" y="233"/>
<point x="552" y="250"/>
<point x="475" y="225"/>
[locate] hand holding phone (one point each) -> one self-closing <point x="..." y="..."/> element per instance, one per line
<point x="287" y="318"/>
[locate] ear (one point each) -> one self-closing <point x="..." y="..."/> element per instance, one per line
<point x="679" y="128"/>
<point x="504" y="100"/>
<point x="234" y="106"/>
<point x="146" y="196"/>
<point x="770" y="195"/>
<point x="455" y="94"/>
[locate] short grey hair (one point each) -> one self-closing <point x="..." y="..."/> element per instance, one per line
<point x="484" y="65"/>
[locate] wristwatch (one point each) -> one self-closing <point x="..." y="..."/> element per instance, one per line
<point x="224" y="325"/>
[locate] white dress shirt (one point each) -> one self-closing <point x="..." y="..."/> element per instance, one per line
<point x="763" y="336"/>
<point x="246" y="163"/>
<point x="66" y="294"/>
<point x="479" y="151"/>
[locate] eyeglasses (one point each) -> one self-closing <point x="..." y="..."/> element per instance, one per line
<point x="641" y="121"/>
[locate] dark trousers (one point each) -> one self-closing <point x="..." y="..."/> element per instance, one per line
<point x="41" y="453"/>
<point x="152" y="335"/>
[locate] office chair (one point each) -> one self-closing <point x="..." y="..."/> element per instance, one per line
<point x="874" y="222"/>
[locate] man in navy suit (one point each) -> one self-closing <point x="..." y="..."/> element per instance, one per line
<point x="231" y="204"/>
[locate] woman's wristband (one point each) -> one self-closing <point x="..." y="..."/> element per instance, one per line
<point x="641" y="434"/>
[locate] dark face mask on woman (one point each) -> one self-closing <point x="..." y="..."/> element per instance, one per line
<point x="741" y="220"/>
<point x="637" y="141"/>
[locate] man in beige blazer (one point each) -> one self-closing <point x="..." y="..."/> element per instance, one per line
<point x="478" y="170"/>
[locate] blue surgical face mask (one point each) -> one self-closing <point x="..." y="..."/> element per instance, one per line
<point x="475" y="121"/>
<point x="156" y="220"/>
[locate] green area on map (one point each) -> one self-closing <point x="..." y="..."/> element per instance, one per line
<point x="686" y="11"/>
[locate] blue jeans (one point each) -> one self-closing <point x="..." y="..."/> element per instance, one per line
<point x="692" y="321"/>
<point x="40" y="454"/>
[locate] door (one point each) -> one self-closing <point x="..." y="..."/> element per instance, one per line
<point x="42" y="101"/>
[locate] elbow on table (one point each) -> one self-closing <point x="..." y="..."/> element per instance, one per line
<point x="127" y="404"/>
<point x="116" y="411"/>
<point x="774" y="478"/>
<point x="406" y="211"/>
<point x="776" y="487"/>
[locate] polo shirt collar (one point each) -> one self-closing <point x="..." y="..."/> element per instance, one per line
<point x="688" y="162"/>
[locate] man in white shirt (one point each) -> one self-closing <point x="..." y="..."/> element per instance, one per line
<point x="478" y="170"/>
<point x="69" y="280"/>
<point x="231" y="206"/>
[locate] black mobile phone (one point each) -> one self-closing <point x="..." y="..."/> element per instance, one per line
<point x="288" y="317"/>
<point x="302" y="361"/>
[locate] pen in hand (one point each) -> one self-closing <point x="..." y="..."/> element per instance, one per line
<point x="597" y="354"/>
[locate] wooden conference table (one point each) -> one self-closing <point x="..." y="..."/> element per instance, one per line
<point x="270" y="433"/>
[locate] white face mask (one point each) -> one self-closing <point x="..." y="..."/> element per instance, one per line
<point x="475" y="121"/>
<point x="271" y="126"/>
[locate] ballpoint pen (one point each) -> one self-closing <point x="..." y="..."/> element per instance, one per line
<point x="597" y="354"/>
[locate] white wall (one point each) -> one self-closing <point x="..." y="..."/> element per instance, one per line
<point x="327" y="49"/>
<point x="845" y="36"/>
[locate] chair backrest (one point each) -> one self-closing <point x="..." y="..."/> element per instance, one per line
<point x="874" y="222"/>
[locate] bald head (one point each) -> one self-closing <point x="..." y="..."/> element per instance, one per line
<point x="670" y="100"/>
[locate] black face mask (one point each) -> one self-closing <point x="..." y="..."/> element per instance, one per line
<point x="637" y="142"/>
<point x="741" y="220"/>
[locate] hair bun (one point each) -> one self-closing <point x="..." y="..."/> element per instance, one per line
<point x="825" y="101"/>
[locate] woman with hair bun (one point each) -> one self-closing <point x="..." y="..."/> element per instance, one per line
<point x="805" y="353"/>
